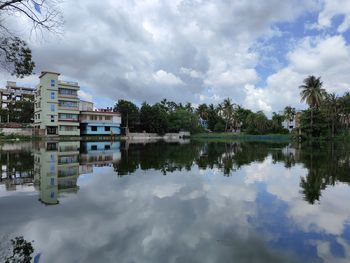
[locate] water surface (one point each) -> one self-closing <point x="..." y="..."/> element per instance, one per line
<point x="176" y="202"/>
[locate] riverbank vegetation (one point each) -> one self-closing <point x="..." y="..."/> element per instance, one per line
<point x="168" y="116"/>
<point x="328" y="115"/>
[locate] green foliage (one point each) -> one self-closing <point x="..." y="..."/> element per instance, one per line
<point x="154" y="118"/>
<point x="130" y="114"/>
<point x="257" y="123"/>
<point x="319" y="128"/>
<point x="312" y="92"/>
<point x="219" y="126"/>
<point x="18" y="111"/>
<point x="16" y="57"/>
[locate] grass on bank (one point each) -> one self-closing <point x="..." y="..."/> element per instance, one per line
<point x="241" y="136"/>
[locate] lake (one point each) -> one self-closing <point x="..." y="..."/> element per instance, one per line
<point x="187" y="201"/>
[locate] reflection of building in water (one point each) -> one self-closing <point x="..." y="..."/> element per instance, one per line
<point x="56" y="169"/>
<point x="99" y="154"/>
<point x="58" y="165"/>
<point x="16" y="162"/>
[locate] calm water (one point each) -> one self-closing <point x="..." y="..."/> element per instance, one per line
<point x="175" y="202"/>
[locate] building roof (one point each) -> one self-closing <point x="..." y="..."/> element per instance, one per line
<point x="99" y="112"/>
<point x="48" y="72"/>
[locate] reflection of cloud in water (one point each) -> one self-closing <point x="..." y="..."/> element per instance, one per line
<point x="189" y="215"/>
<point x="330" y="216"/>
<point x="193" y="221"/>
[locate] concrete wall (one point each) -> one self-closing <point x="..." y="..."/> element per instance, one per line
<point x="17" y="131"/>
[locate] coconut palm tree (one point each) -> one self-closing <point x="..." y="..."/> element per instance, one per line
<point x="312" y="93"/>
<point x="333" y="107"/>
<point x="228" y="112"/>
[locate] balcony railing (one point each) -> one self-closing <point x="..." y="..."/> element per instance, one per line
<point x="68" y="82"/>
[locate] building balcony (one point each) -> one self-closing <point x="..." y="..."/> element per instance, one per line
<point x="98" y="121"/>
<point x="68" y="96"/>
<point x="68" y="108"/>
<point x="68" y="83"/>
<point x="67" y="120"/>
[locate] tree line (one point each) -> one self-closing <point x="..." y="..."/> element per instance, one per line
<point x="328" y="114"/>
<point x="169" y="116"/>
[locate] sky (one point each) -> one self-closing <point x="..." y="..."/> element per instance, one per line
<point x="201" y="51"/>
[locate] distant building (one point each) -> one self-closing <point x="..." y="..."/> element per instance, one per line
<point x="13" y="93"/>
<point x="100" y="122"/>
<point x="292" y="123"/>
<point x="56" y="108"/>
<point x="203" y="123"/>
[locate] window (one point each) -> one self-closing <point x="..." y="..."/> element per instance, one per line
<point x="52" y="107"/>
<point x="107" y="147"/>
<point x="52" y="118"/>
<point x="94" y="147"/>
<point x="93" y="128"/>
<point x="108" y="118"/>
<point x="69" y="92"/>
<point x="67" y="128"/>
<point x="52" y="181"/>
<point x="68" y="104"/>
<point x="100" y="117"/>
<point x="52" y="83"/>
<point x="68" y="116"/>
<point x="52" y="195"/>
<point x="107" y="128"/>
<point x="51" y="145"/>
<point x="52" y="95"/>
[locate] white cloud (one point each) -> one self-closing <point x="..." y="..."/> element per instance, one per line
<point x="166" y="78"/>
<point x="328" y="57"/>
<point x="134" y="48"/>
<point x="85" y="95"/>
<point x="330" y="10"/>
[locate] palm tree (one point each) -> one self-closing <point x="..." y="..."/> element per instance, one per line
<point x="202" y="111"/>
<point x="312" y="93"/>
<point x="228" y="111"/>
<point x="345" y="109"/>
<point x="332" y="105"/>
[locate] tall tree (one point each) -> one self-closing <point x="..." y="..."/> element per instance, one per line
<point x="130" y="114"/>
<point x="312" y="93"/>
<point x="228" y="112"/>
<point x="15" y="55"/>
<point x="332" y="107"/>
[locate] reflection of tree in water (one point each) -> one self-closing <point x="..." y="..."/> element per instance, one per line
<point x="227" y="157"/>
<point x="312" y="186"/>
<point x="326" y="164"/>
<point x="20" y="251"/>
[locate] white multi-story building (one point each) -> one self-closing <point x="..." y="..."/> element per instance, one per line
<point x="56" y="108"/>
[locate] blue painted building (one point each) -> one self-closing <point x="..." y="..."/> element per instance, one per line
<point x="100" y="122"/>
<point x="99" y="129"/>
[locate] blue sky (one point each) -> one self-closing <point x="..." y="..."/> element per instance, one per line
<point x="200" y="51"/>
